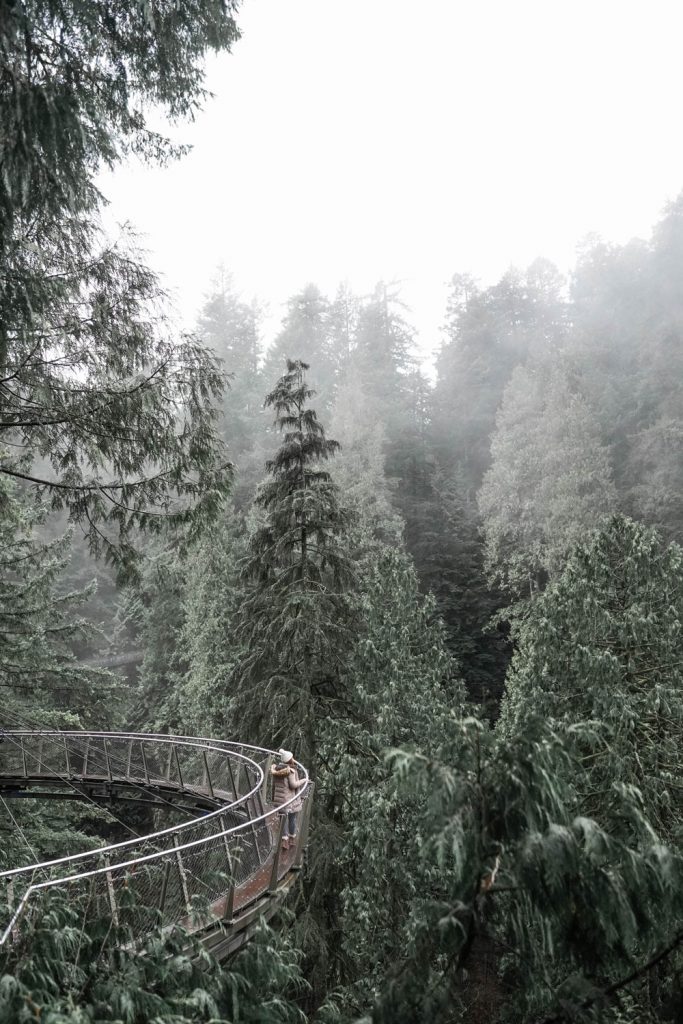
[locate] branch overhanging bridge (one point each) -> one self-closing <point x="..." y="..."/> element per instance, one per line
<point x="215" y="873"/>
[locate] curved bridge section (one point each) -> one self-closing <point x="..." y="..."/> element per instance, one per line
<point x="215" y="871"/>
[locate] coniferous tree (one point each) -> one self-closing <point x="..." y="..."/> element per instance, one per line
<point x="210" y="606"/>
<point x="121" y="415"/>
<point x="155" y="607"/>
<point x="38" y="670"/>
<point x="360" y="465"/>
<point x="487" y="334"/>
<point x="305" y="334"/>
<point x="534" y="913"/>
<point x="604" y="643"/>
<point x="384" y="359"/>
<point x="550" y="478"/>
<point x="230" y="327"/>
<point x="342" y="328"/>
<point x="628" y="324"/>
<point x="404" y="689"/>
<point x="296" y="612"/>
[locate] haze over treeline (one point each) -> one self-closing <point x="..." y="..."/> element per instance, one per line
<point x="458" y="600"/>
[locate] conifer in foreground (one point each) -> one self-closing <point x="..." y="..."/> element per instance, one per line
<point x="296" y="616"/>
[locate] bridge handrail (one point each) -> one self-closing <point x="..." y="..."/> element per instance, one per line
<point x="149" y="836"/>
<point x="220" y="852"/>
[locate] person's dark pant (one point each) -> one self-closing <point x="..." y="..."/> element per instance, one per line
<point x="290" y="824"/>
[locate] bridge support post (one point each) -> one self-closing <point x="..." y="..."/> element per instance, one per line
<point x="67" y="759"/>
<point x="177" y="765"/>
<point x="272" y="888"/>
<point x="229" y="913"/>
<point x="243" y="770"/>
<point x="226" y="844"/>
<point x="164" y="888"/>
<point x="232" y="779"/>
<point x="183" y="875"/>
<point x="111" y="893"/>
<point x="208" y="784"/>
<point x="266" y="778"/>
<point x="252" y="811"/>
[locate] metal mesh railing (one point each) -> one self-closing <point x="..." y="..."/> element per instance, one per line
<point x="217" y="861"/>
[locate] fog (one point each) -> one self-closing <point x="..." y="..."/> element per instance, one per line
<point x="376" y="140"/>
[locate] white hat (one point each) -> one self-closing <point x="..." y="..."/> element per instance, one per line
<point x="285" y="755"/>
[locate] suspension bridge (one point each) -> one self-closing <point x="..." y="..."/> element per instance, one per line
<point x="215" y="872"/>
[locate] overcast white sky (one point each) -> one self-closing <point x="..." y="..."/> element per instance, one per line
<point x="368" y="139"/>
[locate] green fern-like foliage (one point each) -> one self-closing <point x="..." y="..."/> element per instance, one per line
<point x="61" y="970"/>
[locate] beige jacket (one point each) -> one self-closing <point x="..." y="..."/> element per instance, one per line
<point x="285" y="784"/>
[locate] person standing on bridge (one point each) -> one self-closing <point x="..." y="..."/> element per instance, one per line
<point x="286" y="782"/>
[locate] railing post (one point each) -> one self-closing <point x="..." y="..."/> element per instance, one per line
<point x="177" y="765"/>
<point x="129" y="763"/>
<point x="85" y="756"/>
<point x="106" y="758"/>
<point x="183" y="876"/>
<point x="247" y="780"/>
<point x="164" y="887"/>
<point x="144" y="761"/>
<point x="229" y="912"/>
<point x="298" y="862"/>
<point x="252" y="812"/>
<point x="276" y="859"/>
<point x="169" y="763"/>
<point x="66" y="756"/>
<point x="232" y="779"/>
<point x="266" y="778"/>
<point x="226" y="844"/>
<point x="112" y="894"/>
<point x="23" y="757"/>
<point x="208" y="784"/>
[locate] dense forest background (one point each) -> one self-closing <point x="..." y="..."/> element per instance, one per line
<point x="458" y="599"/>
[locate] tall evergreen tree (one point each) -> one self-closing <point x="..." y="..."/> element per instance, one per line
<point x="211" y="598"/>
<point x="305" y="334"/>
<point x="385" y="361"/>
<point x="404" y="689"/>
<point x="296" y="612"/>
<point x="533" y="913"/>
<point x="230" y="327"/>
<point x="550" y="478"/>
<point x="604" y="644"/>
<point x="39" y="673"/>
<point x="487" y="334"/>
<point x="360" y="467"/>
<point x="121" y="415"/>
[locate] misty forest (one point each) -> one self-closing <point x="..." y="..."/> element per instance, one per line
<point x="452" y="596"/>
